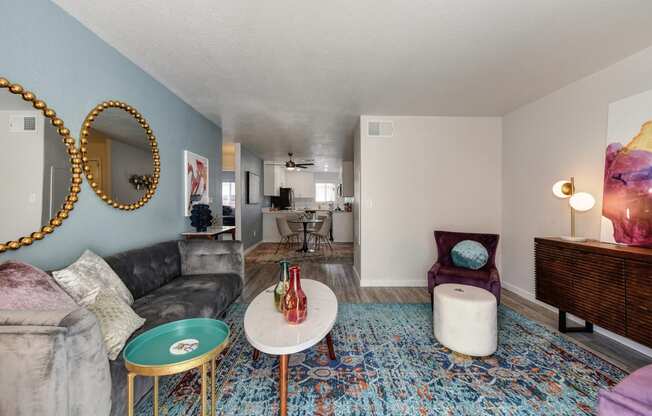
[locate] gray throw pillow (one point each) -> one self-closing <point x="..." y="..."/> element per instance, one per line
<point x="117" y="321"/>
<point x="84" y="279"/>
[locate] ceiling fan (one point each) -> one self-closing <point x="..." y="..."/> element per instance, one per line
<point x="292" y="165"/>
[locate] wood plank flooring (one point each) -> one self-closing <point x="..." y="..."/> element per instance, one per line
<point x="339" y="277"/>
<point x="343" y="281"/>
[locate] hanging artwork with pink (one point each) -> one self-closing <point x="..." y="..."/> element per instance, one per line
<point x="627" y="194"/>
<point x="196" y="181"/>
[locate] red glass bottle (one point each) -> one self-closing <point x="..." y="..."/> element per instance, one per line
<point x="295" y="303"/>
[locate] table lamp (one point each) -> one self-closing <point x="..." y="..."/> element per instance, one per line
<point x="578" y="201"/>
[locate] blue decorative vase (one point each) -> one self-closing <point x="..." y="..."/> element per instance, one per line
<point x="200" y="217"/>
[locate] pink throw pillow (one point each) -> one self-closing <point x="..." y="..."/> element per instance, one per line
<point x="24" y="287"/>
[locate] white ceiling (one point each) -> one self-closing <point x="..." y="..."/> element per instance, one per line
<point x="293" y="75"/>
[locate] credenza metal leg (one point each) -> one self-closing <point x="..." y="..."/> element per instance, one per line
<point x="588" y="326"/>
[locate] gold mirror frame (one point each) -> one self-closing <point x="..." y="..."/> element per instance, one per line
<point x="75" y="162"/>
<point x="88" y="123"/>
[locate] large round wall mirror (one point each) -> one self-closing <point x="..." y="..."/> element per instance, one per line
<point x="120" y="155"/>
<point x="39" y="165"/>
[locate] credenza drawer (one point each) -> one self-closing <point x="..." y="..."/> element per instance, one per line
<point x="639" y="301"/>
<point x="599" y="291"/>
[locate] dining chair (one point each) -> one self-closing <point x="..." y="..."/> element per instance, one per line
<point x="322" y="234"/>
<point x="288" y="235"/>
<point x="295" y="226"/>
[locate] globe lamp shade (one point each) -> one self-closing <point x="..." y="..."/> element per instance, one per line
<point x="582" y="201"/>
<point x="562" y="189"/>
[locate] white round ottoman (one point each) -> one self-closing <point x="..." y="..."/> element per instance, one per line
<point x="465" y="319"/>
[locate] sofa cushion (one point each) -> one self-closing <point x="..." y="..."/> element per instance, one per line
<point x="24" y="287"/>
<point x="464" y="273"/>
<point x="146" y="269"/>
<point x="192" y="296"/>
<point x="206" y="257"/>
<point x="87" y="276"/>
<point x="117" y="321"/>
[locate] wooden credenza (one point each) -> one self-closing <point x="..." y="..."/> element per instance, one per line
<point x="605" y="284"/>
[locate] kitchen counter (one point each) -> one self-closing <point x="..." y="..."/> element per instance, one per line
<point x="293" y="211"/>
<point x="342" y="224"/>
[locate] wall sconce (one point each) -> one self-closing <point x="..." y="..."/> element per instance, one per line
<point x="578" y="201"/>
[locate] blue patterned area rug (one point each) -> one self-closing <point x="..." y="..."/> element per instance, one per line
<point x="390" y="364"/>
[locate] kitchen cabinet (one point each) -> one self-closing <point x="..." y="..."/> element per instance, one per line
<point x="347" y="178"/>
<point x="273" y="179"/>
<point x="302" y="183"/>
<point x="342" y="227"/>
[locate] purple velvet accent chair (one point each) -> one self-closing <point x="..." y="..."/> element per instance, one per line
<point x="445" y="271"/>
<point x="631" y="397"/>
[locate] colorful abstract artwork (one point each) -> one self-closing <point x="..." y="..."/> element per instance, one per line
<point x="627" y="195"/>
<point x="196" y="181"/>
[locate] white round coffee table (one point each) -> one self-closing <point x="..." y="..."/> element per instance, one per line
<point x="268" y="332"/>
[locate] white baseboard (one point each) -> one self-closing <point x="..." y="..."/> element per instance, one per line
<point x="625" y="341"/>
<point x="357" y="275"/>
<point x="393" y="282"/>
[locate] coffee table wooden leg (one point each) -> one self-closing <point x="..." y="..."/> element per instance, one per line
<point x="130" y="393"/>
<point x="155" y="395"/>
<point x="203" y="389"/>
<point x="331" y="349"/>
<point x="213" y="389"/>
<point x="256" y="354"/>
<point x="283" y="385"/>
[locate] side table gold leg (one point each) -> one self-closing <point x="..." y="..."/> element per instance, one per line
<point x="213" y="389"/>
<point x="203" y="389"/>
<point x="155" y="395"/>
<point x="130" y="393"/>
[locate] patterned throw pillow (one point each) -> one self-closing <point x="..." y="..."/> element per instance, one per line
<point x="84" y="279"/>
<point x="117" y="321"/>
<point x="469" y="254"/>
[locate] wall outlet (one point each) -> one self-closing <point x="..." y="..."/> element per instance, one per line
<point x="254" y="233"/>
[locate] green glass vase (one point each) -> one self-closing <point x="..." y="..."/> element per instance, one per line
<point x="282" y="285"/>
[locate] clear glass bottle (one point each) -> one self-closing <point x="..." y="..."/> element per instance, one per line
<point x="282" y="285"/>
<point x="295" y="303"/>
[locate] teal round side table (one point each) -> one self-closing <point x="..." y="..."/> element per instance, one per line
<point x="173" y="348"/>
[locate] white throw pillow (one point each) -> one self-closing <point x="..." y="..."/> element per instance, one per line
<point x="84" y="279"/>
<point x="117" y="321"/>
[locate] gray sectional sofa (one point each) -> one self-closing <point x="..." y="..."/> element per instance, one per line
<point x="62" y="367"/>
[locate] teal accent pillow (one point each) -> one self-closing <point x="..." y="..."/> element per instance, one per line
<point x="469" y="254"/>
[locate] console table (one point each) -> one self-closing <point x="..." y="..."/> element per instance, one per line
<point x="212" y="233"/>
<point x="605" y="284"/>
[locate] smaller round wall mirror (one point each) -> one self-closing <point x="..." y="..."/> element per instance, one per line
<point x="120" y="155"/>
<point x="40" y="168"/>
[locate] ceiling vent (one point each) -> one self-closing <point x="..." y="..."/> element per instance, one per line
<point x="380" y="128"/>
<point x="22" y="124"/>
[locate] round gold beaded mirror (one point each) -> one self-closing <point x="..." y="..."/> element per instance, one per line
<point x="120" y="155"/>
<point x="40" y="168"/>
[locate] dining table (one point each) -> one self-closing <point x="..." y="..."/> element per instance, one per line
<point x="305" y="221"/>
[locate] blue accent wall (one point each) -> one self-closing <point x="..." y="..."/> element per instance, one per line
<point x="71" y="69"/>
<point x="252" y="214"/>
